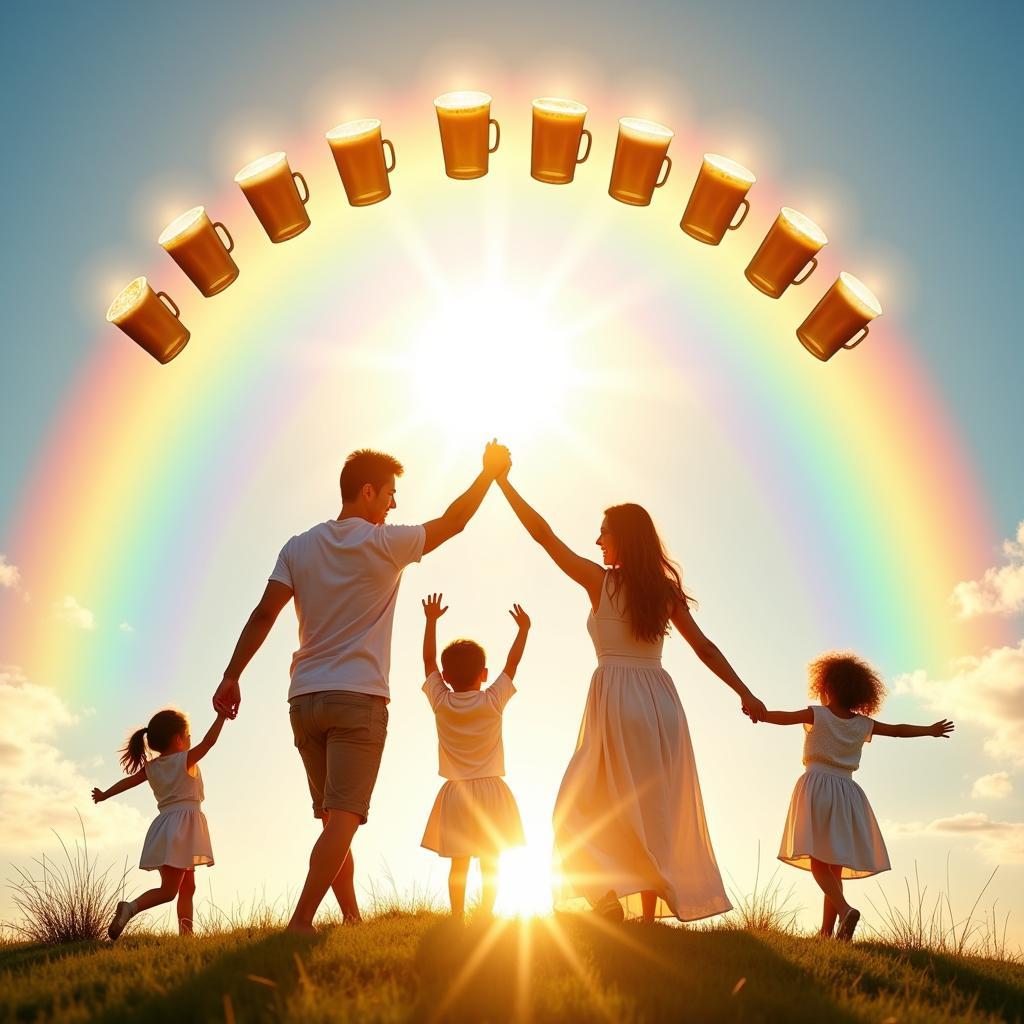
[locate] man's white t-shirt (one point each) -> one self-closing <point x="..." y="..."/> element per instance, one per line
<point x="345" y="575"/>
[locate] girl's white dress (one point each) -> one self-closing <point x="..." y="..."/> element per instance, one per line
<point x="179" y="836"/>
<point x="475" y="813"/>
<point x="830" y="818"/>
<point x="629" y="814"/>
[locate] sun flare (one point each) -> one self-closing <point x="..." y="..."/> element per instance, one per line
<point x="525" y="881"/>
<point x="493" y="363"/>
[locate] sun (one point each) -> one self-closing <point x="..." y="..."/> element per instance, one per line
<point x="525" y="881"/>
<point x="493" y="362"/>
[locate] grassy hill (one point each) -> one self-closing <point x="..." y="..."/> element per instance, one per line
<point x="422" y="967"/>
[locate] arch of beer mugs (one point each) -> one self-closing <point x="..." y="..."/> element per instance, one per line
<point x="718" y="203"/>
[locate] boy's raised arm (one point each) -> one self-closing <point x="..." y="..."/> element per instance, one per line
<point x="515" y="654"/>
<point x="433" y="611"/>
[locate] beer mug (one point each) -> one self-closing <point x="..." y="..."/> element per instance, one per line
<point x="270" y="186"/>
<point x="557" y="132"/>
<point x="840" y="319"/>
<point x="641" y="152"/>
<point x="789" y="247"/>
<point x="464" y="120"/>
<point x="193" y="242"/>
<point x="719" y="191"/>
<point x="358" y="151"/>
<point x="150" y="319"/>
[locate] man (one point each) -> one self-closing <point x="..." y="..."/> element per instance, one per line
<point x="344" y="575"/>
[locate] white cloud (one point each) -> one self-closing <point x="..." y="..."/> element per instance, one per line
<point x="1001" y="842"/>
<point x="1001" y="590"/>
<point x="126" y="627"/>
<point x="70" y="611"/>
<point x="987" y="691"/>
<point x="996" y="786"/>
<point x="43" y="791"/>
<point x="10" y="577"/>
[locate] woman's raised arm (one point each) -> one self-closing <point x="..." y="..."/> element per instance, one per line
<point x="586" y="573"/>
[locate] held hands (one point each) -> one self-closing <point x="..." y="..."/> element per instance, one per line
<point x="98" y="796"/>
<point x="941" y="729"/>
<point x="227" y="698"/>
<point x="753" y="708"/>
<point x="432" y="607"/>
<point x="519" y="617"/>
<point x="497" y="460"/>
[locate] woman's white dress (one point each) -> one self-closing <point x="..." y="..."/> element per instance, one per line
<point x="179" y="836"/>
<point x="829" y="817"/>
<point x="629" y="815"/>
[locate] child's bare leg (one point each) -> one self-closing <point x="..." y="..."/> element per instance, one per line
<point x="830" y="886"/>
<point x="185" y="894"/>
<point x="489" y="884"/>
<point x="830" y="913"/>
<point x="170" y="883"/>
<point x="457" y="885"/>
<point x="648" y="903"/>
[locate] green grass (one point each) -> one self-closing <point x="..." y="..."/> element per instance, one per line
<point x="420" y="967"/>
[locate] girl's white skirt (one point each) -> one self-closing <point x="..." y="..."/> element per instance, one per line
<point x="178" y="838"/>
<point x="473" y="818"/>
<point x="831" y="820"/>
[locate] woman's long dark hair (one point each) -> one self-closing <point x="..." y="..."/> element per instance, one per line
<point x="650" y="581"/>
<point x="163" y="727"/>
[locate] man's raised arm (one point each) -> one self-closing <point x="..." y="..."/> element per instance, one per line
<point x="228" y="695"/>
<point x="496" y="460"/>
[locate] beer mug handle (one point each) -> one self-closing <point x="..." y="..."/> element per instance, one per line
<point x="497" y="135"/>
<point x="745" y="203"/>
<point x="857" y="338"/>
<point x="586" y="152"/>
<point x="230" y="243"/>
<point x="391" y="166"/>
<point x="668" y="167"/>
<point x="811" y="267"/>
<point x="305" y="188"/>
<point x="169" y="302"/>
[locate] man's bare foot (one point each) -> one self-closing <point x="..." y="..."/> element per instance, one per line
<point x="300" y="928"/>
<point x="352" y="919"/>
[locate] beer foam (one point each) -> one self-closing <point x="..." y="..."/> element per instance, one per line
<point x="804" y="226"/>
<point x="260" y="168"/>
<point x="353" y="129"/>
<point x="130" y="296"/>
<point x="861" y="295"/>
<point x="559" y="108"/>
<point x="456" y="101"/>
<point x="726" y="168"/>
<point x="638" y="126"/>
<point x="182" y="225"/>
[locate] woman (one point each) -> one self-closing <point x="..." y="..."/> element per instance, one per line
<point x="629" y="819"/>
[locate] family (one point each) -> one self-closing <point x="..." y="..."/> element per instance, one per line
<point x="629" y="823"/>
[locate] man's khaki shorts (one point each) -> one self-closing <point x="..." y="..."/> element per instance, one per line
<point x="340" y="737"/>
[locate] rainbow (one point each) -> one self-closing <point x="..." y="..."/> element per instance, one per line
<point x="881" y="469"/>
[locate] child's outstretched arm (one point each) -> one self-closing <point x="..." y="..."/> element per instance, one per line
<point x="515" y="653"/>
<point x="433" y="611"/>
<point x="937" y="729"/>
<point x="802" y="717"/>
<point x="133" y="780"/>
<point x="201" y="749"/>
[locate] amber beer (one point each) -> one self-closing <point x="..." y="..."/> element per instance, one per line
<point x="840" y="319"/>
<point x="271" y="187"/>
<point x="641" y="152"/>
<point x="358" y="151"/>
<point x="719" y="191"/>
<point x="150" y="319"/>
<point x="791" y="245"/>
<point x="464" y="120"/>
<point x="193" y="242"/>
<point x="557" y="133"/>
